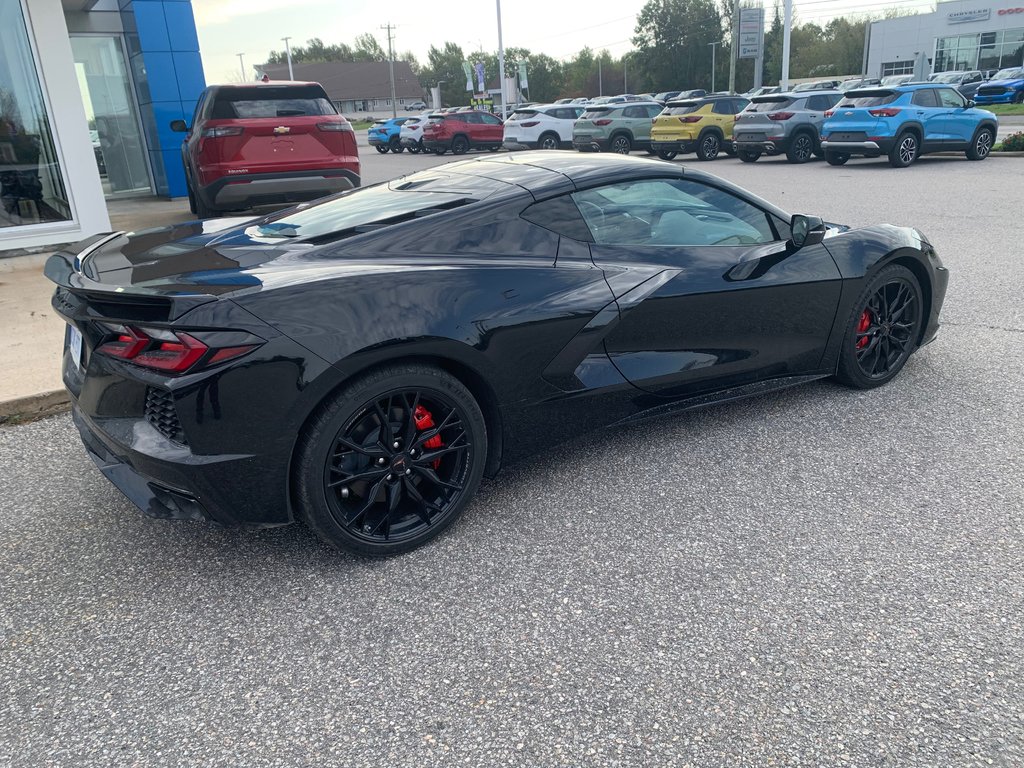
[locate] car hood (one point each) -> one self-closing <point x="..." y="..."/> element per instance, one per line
<point x="1014" y="83"/>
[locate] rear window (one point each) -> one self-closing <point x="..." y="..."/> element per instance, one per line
<point x="591" y="114"/>
<point x="769" y="103"/>
<point x="682" y="107"/>
<point x="869" y="98"/>
<point x="522" y="114"/>
<point x="271" y="101"/>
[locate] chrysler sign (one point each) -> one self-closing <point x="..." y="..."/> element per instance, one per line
<point x="962" y="17"/>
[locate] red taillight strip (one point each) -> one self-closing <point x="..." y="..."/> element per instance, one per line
<point x="162" y="349"/>
<point x="174" y="356"/>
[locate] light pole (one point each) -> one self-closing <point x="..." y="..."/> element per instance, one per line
<point x="600" y="84"/>
<point x="787" y="23"/>
<point x="625" y="81"/>
<point x="288" y="52"/>
<point x="391" y="71"/>
<point x="241" y="63"/>
<point x="735" y="45"/>
<point x="435" y="94"/>
<point x="714" y="47"/>
<point x="501" y="62"/>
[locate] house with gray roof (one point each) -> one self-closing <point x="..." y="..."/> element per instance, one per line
<point x="354" y="86"/>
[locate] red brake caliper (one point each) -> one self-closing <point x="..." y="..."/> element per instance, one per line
<point x="425" y="420"/>
<point x="862" y="325"/>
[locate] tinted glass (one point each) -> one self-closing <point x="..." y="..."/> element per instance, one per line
<point x="1012" y="73"/>
<point x="523" y="114"/>
<point x="594" y="114"/>
<point x="950" y="98"/>
<point x="769" y="104"/>
<point x="723" y="107"/>
<point x="925" y="98"/>
<point x="488" y="119"/>
<point x="674" y="212"/>
<point x="560" y="215"/>
<point x="819" y="103"/>
<point x="869" y="99"/>
<point x="682" y="107"/>
<point x="653" y="110"/>
<point x="256" y="102"/>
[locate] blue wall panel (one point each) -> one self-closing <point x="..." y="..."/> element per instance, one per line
<point x="164" y="52"/>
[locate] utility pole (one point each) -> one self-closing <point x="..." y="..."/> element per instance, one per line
<point x="714" y="47"/>
<point x="391" y="70"/>
<point x="600" y="85"/>
<point x="625" y="82"/>
<point x="241" y="62"/>
<point x="735" y="44"/>
<point x="501" y="63"/>
<point x="288" y="52"/>
<point x="787" y="23"/>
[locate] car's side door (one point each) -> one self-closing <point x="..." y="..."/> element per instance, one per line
<point x="932" y="117"/>
<point x="960" y="124"/>
<point x="491" y="128"/>
<point x="710" y="290"/>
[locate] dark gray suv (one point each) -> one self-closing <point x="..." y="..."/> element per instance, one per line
<point x="783" y="123"/>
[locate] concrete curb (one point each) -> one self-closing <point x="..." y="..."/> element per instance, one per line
<point x="32" y="407"/>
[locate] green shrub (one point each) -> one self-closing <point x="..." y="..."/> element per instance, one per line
<point x="1013" y="143"/>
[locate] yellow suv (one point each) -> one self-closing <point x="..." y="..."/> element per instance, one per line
<point x="700" y="125"/>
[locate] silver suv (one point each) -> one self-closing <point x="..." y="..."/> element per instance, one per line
<point x="787" y="123"/>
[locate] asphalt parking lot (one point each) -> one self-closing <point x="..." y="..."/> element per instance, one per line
<point x="818" y="577"/>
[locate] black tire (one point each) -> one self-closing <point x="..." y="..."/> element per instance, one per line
<point x="414" y="149"/>
<point x="881" y="334"/>
<point x="1019" y="98"/>
<point x="747" y="156"/>
<point x="729" y="150"/>
<point x="440" y="151"/>
<point x="360" y="493"/>
<point x="493" y="148"/>
<point x="708" y="146"/>
<point x="395" y="145"/>
<point x="382" y="148"/>
<point x="191" y="194"/>
<point x="801" y="148"/>
<point x="905" y="151"/>
<point x="203" y="211"/>
<point x="620" y="144"/>
<point x="460" y="145"/>
<point x="981" y="144"/>
<point x="549" y="140"/>
<point x="666" y="154"/>
<point x="836" y="158"/>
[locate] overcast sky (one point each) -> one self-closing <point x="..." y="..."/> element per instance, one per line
<point x="558" y="28"/>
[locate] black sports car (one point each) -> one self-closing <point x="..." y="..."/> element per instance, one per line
<point x="362" y="361"/>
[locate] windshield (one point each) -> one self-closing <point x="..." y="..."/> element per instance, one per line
<point x="948" y="77"/>
<point x="1011" y="73"/>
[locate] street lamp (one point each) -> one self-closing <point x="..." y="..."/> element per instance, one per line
<point x="713" y="49"/>
<point x="241" y="62"/>
<point x="288" y="51"/>
<point x="501" y="62"/>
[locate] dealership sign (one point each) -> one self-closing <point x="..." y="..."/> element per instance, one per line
<point x="751" y="32"/>
<point x="962" y="17"/>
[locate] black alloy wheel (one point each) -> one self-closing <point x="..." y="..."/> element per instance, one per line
<point x="883" y="329"/>
<point x="621" y="144"/>
<point x="391" y="461"/>
<point x="981" y="147"/>
<point x="549" y="141"/>
<point x="382" y="148"/>
<point x="708" y="146"/>
<point x="460" y="145"/>
<point x="801" y="149"/>
<point x="905" y="150"/>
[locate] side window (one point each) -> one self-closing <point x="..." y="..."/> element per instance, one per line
<point x="634" y="112"/>
<point x="654" y="110"/>
<point x="834" y="99"/>
<point x="925" y="98"/>
<point x="472" y="118"/>
<point x="738" y="105"/>
<point x="674" y="212"/>
<point x="950" y="98"/>
<point x="198" y="110"/>
<point x="818" y="103"/>
<point x="488" y="119"/>
<point x="722" y="107"/>
<point x="560" y="215"/>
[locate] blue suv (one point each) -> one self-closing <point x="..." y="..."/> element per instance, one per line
<point x="1005" y="87"/>
<point x="384" y="135"/>
<point x="905" y="122"/>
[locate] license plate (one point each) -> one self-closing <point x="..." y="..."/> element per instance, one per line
<point x="750" y="137"/>
<point x="846" y="137"/>
<point x="75" y="345"/>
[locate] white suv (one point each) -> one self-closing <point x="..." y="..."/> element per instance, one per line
<point x="411" y="134"/>
<point x="541" y="127"/>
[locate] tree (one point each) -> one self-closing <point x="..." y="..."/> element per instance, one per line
<point x="672" y="39"/>
<point x="445" y="64"/>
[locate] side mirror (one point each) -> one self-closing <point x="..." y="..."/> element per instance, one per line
<point x="179" y="126"/>
<point x="807" y="230"/>
<point x="970" y="104"/>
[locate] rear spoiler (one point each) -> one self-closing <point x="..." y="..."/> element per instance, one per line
<point x="62" y="267"/>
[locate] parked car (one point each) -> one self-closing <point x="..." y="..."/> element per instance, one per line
<point x="665" y="96"/>
<point x="818" y="85"/>
<point x="462" y="131"/>
<point x="906" y="122"/>
<point x="615" y="127"/>
<point x="384" y="135"/>
<point x="965" y="82"/>
<point x="563" y="101"/>
<point x="362" y="363"/>
<point x="892" y="80"/>
<point x="703" y="126"/>
<point x="416" y="106"/>
<point x="1005" y="87"/>
<point x="411" y="134"/>
<point x="541" y="127"/>
<point x="858" y="82"/>
<point x="783" y="123"/>
<point x="764" y="90"/>
<point x="265" y="144"/>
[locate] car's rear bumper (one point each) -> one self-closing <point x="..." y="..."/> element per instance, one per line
<point x="406" y="141"/>
<point x="871" y="147"/>
<point x="275" y="188"/>
<point x="589" y="144"/>
<point x="518" y="144"/>
<point x="675" y="145"/>
<point x="770" y="145"/>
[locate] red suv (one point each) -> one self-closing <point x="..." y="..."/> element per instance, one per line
<point x="265" y="143"/>
<point x="462" y="131"/>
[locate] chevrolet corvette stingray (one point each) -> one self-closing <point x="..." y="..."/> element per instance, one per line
<point x="362" y="361"/>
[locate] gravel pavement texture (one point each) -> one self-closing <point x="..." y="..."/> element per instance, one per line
<point x="818" y="577"/>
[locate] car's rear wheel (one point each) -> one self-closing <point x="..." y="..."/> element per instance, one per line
<point x="460" y="145"/>
<point x="440" y="151"/>
<point x="836" y="158"/>
<point x="708" y="146"/>
<point x="883" y="330"/>
<point x="414" y="149"/>
<point x="905" y="150"/>
<point x="747" y="156"/>
<point x="382" y="148"/>
<point x="389" y="462"/>
<point x="981" y="146"/>
<point x="801" y="148"/>
<point x="667" y="154"/>
<point x="549" y="141"/>
<point x="1019" y="98"/>
<point x="621" y="144"/>
<point x="191" y="195"/>
<point x="395" y="145"/>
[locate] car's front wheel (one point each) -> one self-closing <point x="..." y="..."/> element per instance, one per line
<point x="391" y="460"/>
<point x="883" y="329"/>
<point x="905" y="150"/>
<point x="382" y="148"/>
<point x="981" y="147"/>
<point x="621" y="144"/>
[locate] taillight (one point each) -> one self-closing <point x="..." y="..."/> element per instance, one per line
<point x="884" y="112"/>
<point x="780" y="115"/>
<point x="161" y="349"/>
<point x="603" y="121"/>
<point x="829" y="112"/>
<point x="689" y="119"/>
<point x="335" y="125"/>
<point x="222" y="130"/>
<point x="531" y="123"/>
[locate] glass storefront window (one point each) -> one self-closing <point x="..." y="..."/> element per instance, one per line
<point x="989" y="50"/>
<point x="31" y="186"/>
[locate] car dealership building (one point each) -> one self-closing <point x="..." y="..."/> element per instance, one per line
<point x="87" y="92"/>
<point x="959" y="35"/>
